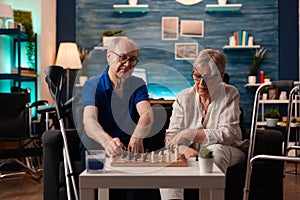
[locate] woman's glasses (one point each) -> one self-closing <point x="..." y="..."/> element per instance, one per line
<point x="199" y="77"/>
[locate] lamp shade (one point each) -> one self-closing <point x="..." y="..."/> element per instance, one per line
<point x="6" y="11"/>
<point x="68" y="56"/>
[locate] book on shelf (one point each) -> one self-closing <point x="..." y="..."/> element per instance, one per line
<point x="241" y="37"/>
<point x="240" y="34"/>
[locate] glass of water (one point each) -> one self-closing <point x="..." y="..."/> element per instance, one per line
<point x="95" y="161"/>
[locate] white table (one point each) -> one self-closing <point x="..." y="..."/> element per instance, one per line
<point x="211" y="185"/>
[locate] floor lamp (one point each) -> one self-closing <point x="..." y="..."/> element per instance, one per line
<point x="68" y="58"/>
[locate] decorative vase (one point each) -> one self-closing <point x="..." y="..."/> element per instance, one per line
<point x="271" y="122"/>
<point x="252" y="79"/>
<point x="132" y="2"/>
<point x="205" y="165"/>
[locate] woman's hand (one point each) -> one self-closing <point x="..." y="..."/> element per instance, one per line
<point x="187" y="151"/>
<point x="182" y="138"/>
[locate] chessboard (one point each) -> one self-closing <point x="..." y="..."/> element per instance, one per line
<point x="149" y="160"/>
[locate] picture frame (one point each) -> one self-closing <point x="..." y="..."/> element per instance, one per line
<point x="272" y="93"/>
<point x="192" y="28"/>
<point x="186" y="51"/>
<point x="169" y="28"/>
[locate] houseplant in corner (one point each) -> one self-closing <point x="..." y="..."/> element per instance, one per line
<point x="256" y="62"/>
<point x="206" y="160"/>
<point x="272" y="115"/>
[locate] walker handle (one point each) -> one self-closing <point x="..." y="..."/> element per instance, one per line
<point x="283" y="84"/>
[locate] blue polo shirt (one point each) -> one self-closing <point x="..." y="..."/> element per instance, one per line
<point x="118" y="116"/>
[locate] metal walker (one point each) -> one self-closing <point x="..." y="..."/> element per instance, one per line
<point x="295" y="87"/>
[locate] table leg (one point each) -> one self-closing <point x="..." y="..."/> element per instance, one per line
<point x="217" y="194"/>
<point x="211" y="194"/>
<point x="88" y="194"/>
<point x="103" y="194"/>
<point x="204" y="194"/>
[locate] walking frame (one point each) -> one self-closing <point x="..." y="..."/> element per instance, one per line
<point x="295" y="87"/>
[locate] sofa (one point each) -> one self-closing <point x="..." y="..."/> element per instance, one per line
<point x="266" y="179"/>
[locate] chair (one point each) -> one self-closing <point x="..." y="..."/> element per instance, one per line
<point x="20" y="134"/>
<point x="283" y="157"/>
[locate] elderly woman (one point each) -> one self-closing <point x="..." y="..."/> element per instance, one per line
<point x="206" y="115"/>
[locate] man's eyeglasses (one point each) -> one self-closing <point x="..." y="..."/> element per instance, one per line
<point x="199" y="77"/>
<point x="123" y="59"/>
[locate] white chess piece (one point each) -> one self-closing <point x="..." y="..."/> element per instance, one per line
<point x="168" y="156"/>
<point x="152" y="156"/>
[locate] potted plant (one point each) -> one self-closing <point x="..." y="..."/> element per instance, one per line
<point x="108" y="35"/>
<point x="256" y="62"/>
<point x="267" y="78"/>
<point x="205" y="160"/>
<point x="272" y="115"/>
<point x="24" y="17"/>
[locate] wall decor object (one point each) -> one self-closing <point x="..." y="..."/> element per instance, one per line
<point x="272" y="93"/>
<point x="188" y="2"/>
<point x="169" y="28"/>
<point x="186" y="51"/>
<point x="192" y="28"/>
<point x="6" y="13"/>
<point x="24" y="17"/>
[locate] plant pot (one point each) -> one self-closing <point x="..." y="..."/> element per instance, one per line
<point x="222" y="2"/>
<point x="106" y="39"/>
<point x="205" y="165"/>
<point x="252" y="79"/>
<point x="132" y="2"/>
<point x="271" y="122"/>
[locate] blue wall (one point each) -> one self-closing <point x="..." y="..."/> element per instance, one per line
<point x="167" y="76"/>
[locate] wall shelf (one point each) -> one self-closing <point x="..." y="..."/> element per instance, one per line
<point x="122" y="8"/>
<point x="20" y="75"/>
<point x="252" y="84"/>
<point x="228" y="47"/>
<point x="100" y="48"/>
<point x="222" y="8"/>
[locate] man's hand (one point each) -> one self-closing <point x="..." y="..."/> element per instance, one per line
<point x="113" y="147"/>
<point x="182" y="138"/>
<point x="136" y="145"/>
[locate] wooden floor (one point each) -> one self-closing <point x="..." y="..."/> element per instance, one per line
<point x="25" y="187"/>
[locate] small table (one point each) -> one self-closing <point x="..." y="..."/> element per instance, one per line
<point x="211" y="185"/>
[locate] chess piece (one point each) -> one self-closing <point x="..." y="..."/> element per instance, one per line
<point x="130" y="155"/>
<point x="152" y="156"/>
<point x="168" y="156"/>
<point x="160" y="156"/>
<point x="176" y="153"/>
<point x="145" y="157"/>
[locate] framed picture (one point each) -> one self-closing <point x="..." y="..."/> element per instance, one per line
<point x="186" y="51"/>
<point x="192" y="28"/>
<point x="169" y="28"/>
<point x="272" y="93"/>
